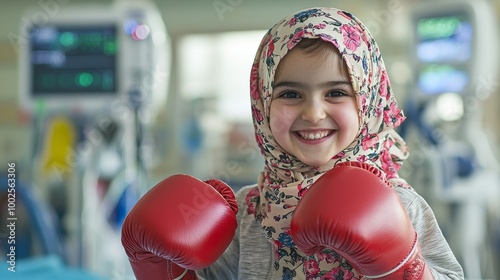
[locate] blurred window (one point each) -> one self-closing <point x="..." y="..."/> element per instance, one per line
<point x="218" y="66"/>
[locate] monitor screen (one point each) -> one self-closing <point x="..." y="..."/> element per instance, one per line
<point x="78" y="60"/>
<point x="441" y="78"/>
<point x="444" y="50"/>
<point x="444" y="39"/>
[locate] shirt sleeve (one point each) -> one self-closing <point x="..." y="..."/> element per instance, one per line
<point x="435" y="249"/>
<point x="226" y="267"/>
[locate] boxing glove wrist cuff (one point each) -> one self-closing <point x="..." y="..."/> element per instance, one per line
<point x="399" y="266"/>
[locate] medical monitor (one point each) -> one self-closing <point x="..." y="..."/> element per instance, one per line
<point x="454" y="47"/>
<point x="91" y="57"/>
<point x="68" y="61"/>
<point x="444" y="49"/>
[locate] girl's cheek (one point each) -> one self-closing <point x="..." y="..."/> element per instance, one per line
<point x="280" y="121"/>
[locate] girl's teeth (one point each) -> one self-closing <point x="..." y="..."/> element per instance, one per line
<point x="313" y="136"/>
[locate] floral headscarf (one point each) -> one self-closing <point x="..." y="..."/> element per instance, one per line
<point x="285" y="179"/>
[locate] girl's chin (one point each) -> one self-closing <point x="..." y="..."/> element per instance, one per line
<point x="315" y="161"/>
<point x="316" y="157"/>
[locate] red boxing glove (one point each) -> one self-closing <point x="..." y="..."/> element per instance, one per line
<point x="180" y="225"/>
<point x="353" y="211"/>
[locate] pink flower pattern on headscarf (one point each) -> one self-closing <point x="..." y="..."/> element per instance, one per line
<point x="285" y="179"/>
<point x="352" y="38"/>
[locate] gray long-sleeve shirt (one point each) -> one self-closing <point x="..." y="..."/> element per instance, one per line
<point x="250" y="255"/>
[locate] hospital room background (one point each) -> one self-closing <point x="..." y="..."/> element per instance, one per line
<point x="100" y="100"/>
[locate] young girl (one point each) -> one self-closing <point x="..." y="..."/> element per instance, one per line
<point x="320" y="98"/>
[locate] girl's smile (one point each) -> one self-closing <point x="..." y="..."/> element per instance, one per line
<point x="314" y="136"/>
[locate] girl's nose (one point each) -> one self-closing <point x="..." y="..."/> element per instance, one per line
<point x="313" y="112"/>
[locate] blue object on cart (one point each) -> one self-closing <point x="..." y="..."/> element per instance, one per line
<point x="42" y="219"/>
<point x="43" y="268"/>
<point x="49" y="266"/>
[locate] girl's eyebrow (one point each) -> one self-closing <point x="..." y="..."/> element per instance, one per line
<point x="305" y="85"/>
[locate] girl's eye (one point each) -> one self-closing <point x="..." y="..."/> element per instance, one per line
<point x="335" y="93"/>
<point x="289" y="94"/>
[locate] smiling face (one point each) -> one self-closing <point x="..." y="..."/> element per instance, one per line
<point x="313" y="113"/>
